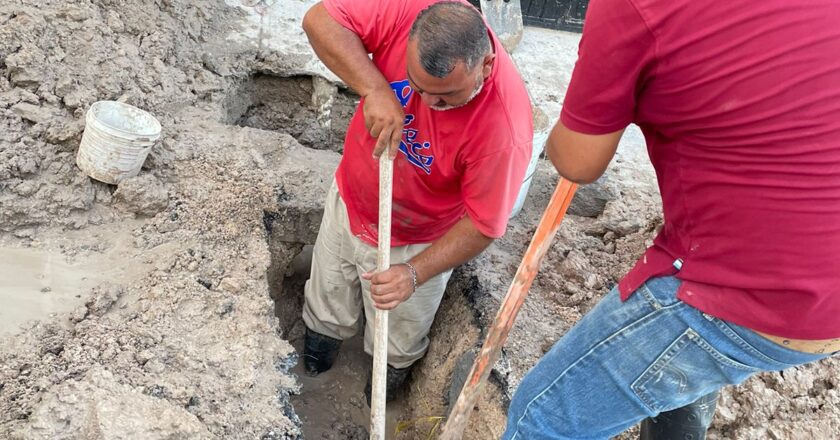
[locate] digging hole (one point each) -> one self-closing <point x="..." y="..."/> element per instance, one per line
<point x="313" y="110"/>
<point x="332" y="405"/>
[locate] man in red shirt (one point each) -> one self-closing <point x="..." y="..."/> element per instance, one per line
<point x="739" y="102"/>
<point x="442" y="96"/>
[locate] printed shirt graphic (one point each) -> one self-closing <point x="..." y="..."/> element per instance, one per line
<point x="465" y="161"/>
<point x="409" y="145"/>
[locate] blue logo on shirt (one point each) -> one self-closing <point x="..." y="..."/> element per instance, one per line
<point x="410" y="145"/>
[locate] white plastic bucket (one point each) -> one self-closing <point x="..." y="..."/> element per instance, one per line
<point x="116" y="141"/>
<point x="537" y="149"/>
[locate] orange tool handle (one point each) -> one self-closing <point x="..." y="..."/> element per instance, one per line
<point x="528" y="268"/>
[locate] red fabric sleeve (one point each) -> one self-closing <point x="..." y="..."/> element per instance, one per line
<point x="615" y="53"/>
<point x="490" y="185"/>
<point x="366" y="18"/>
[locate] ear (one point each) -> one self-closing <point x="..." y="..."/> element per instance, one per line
<point x="487" y="64"/>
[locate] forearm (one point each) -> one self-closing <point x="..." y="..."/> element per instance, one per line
<point x="460" y="244"/>
<point x="578" y="157"/>
<point x="342" y="51"/>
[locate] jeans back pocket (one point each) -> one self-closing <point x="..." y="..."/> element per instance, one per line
<point x="689" y="368"/>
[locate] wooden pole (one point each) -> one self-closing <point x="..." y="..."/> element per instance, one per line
<point x="380" y="336"/>
<point x="528" y="268"/>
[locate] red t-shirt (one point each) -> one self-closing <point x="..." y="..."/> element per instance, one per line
<point x="469" y="160"/>
<point x="739" y="102"/>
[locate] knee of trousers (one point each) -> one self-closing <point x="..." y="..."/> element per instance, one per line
<point x="324" y="323"/>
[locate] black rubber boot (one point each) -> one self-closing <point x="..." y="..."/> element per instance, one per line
<point x="319" y="352"/>
<point x="687" y="423"/>
<point x="394" y="380"/>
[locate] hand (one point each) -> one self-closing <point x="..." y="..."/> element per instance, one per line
<point x="391" y="287"/>
<point x="384" y="120"/>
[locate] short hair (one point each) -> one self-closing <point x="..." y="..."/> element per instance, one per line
<point x="448" y="32"/>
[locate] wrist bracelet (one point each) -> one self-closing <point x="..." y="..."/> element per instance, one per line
<point x="413" y="275"/>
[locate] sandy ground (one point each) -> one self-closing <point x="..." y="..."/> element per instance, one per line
<point x="168" y="306"/>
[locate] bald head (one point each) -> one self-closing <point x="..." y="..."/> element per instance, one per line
<point x="449" y="32"/>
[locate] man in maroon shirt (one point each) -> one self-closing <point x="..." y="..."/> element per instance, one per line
<point x="739" y="103"/>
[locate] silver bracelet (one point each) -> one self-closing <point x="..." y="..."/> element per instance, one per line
<point x="413" y="275"/>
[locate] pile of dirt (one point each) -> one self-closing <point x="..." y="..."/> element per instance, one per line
<point x="186" y="342"/>
<point x="197" y="332"/>
<point x="189" y="347"/>
<point x="58" y="58"/>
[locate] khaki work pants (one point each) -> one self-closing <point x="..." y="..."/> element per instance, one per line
<point x="335" y="294"/>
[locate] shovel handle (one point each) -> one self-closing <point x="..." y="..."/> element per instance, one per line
<point x="380" y="335"/>
<point x="503" y="322"/>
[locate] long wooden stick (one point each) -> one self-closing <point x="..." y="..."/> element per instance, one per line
<point x="506" y="316"/>
<point x="380" y="336"/>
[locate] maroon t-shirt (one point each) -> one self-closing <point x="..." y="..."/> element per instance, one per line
<point x="739" y="102"/>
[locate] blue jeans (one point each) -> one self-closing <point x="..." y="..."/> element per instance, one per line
<point x="627" y="361"/>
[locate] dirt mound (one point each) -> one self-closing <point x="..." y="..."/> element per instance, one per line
<point x="185" y="341"/>
<point x="191" y="344"/>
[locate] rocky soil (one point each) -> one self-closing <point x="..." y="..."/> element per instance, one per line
<point x="191" y="348"/>
<point x="192" y="341"/>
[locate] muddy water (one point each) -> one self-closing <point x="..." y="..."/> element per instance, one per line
<point x="332" y="405"/>
<point x="35" y="284"/>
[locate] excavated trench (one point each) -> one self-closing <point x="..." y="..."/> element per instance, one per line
<point x="313" y="110"/>
<point x="332" y="406"/>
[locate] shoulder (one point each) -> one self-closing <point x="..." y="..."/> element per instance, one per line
<point x="386" y="12"/>
<point x="507" y="108"/>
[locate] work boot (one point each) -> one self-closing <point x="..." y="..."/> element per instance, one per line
<point x="687" y="423"/>
<point x="319" y="352"/>
<point x="394" y="380"/>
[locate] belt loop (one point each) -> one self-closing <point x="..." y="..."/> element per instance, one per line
<point x="678" y="263"/>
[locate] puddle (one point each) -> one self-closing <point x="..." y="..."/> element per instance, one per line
<point x="332" y="405"/>
<point x="35" y="284"/>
